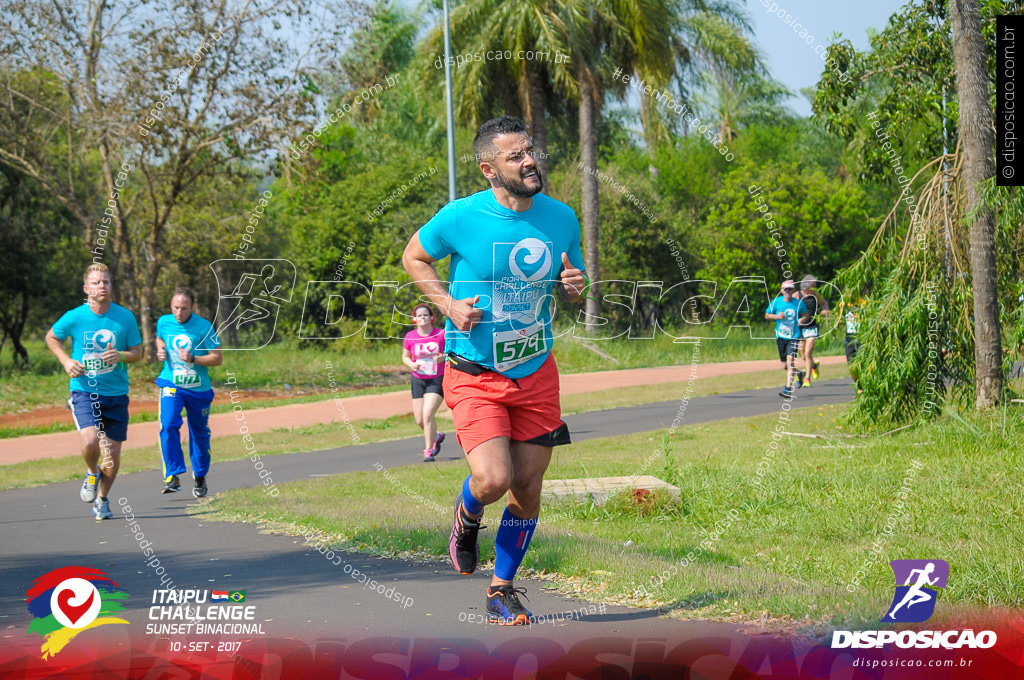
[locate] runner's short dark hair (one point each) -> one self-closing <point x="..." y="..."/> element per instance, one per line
<point x="425" y="306"/>
<point x="186" y="291"/>
<point x="483" y="143"/>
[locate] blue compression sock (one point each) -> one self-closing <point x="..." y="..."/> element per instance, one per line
<point x="472" y="506"/>
<point x="511" y="543"/>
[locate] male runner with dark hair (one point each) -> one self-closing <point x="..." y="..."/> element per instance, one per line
<point x="511" y="246"/>
<point x="104" y="337"/>
<point x="188" y="346"/>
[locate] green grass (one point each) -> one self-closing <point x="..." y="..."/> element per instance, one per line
<point x="646" y="394"/>
<point x="285" y="440"/>
<point x="326" y="436"/>
<point x="305" y="370"/>
<point x="780" y="553"/>
<point x="220" y="405"/>
<point x="368" y="367"/>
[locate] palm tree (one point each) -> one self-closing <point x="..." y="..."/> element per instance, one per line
<point x="655" y="41"/>
<point x="976" y="135"/>
<point x="738" y="102"/>
<point x="481" y="86"/>
<point x="712" y="45"/>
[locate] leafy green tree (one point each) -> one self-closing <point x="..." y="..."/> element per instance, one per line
<point x="349" y="206"/>
<point x="40" y="240"/>
<point x="36" y="253"/>
<point x="781" y="221"/>
<point x="903" y="105"/>
<point x="157" y="118"/>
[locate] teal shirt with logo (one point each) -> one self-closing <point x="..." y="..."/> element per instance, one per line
<point x="512" y="261"/>
<point x="195" y="336"/>
<point x="91" y="335"/>
<point x="786" y="327"/>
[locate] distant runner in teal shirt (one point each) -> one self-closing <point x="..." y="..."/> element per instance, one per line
<point x="188" y="346"/>
<point x="104" y="337"/>
<point x="786" y="311"/>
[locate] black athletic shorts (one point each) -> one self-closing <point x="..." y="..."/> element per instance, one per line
<point x="787" y="347"/>
<point x="852" y="347"/>
<point x="421" y="386"/>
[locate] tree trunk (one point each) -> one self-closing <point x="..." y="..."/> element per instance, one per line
<point x="146" y="325"/>
<point x="976" y="120"/>
<point x="12" y="325"/>
<point x="591" y="212"/>
<point x="536" y="105"/>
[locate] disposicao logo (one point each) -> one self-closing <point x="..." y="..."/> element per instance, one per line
<point x="916" y="597"/>
<point x="917" y="588"/>
<point x="70" y="600"/>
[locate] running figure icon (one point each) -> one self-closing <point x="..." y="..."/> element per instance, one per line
<point x="916" y="594"/>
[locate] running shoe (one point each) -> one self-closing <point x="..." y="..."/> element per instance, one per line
<point x="806" y="383"/>
<point x="199" y="490"/>
<point x="786" y="393"/>
<point x="171" y="484"/>
<point x="428" y="455"/>
<point x="800" y="379"/>
<point x="101" y="509"/>
<point x="437" y="443"/>
<point x="504" y="607"/>
<point x="88" y="492"/>
<point x="814" y="369"/>
<point x="462" y="546"/>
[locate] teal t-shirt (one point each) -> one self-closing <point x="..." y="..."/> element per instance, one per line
<point x="91" y="334"/>
<point x="197" y="336"/>
<point x="512" y="261"/>
<point x="793" y="310"/>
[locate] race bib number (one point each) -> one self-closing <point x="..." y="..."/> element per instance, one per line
<point x="185" y="378"/>
<point x="810" y="332"/>
<point x="514" y="347"/>
<point x="95" y="365"/>
<point x="427" y="367"/>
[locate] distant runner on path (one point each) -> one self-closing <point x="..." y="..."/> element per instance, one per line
<point x="785" y="310"/>
<point x="809" y="330"/>
<point x="423" y="353"/>
<point x="511" y="247"/>
<point x="188" y="346"/>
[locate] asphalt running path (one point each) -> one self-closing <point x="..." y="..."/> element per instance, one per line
<point x="297" y="592"/>
<point x="376" y="406"/>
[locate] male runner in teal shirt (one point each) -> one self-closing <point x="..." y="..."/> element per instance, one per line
<point x="511" y="247"/>
<point x="104" y="337"/>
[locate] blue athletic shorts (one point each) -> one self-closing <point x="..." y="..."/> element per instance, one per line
<point x="110" y="414"/>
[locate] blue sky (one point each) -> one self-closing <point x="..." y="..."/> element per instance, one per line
<point x="790" y="59"/>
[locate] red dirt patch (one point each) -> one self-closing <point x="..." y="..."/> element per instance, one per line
<point x="147" y="402"/>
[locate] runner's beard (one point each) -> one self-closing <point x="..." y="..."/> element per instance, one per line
<point x="517" y="187"/>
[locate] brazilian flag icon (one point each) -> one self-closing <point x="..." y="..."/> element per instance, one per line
<point x="237" y="596"/>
